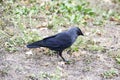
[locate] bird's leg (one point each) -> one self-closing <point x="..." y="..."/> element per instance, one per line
<point x="57" y="54"/>
<point x="60" y="54"/>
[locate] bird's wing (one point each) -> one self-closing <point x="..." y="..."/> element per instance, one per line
<point x="50" y="37"/>
<point x="46" y="42"/>
<point x="59" y="41"/>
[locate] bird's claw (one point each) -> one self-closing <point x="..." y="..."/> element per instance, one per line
<point x="67" y="62"/>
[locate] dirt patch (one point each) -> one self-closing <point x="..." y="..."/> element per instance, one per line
<point x="85" y="66"/>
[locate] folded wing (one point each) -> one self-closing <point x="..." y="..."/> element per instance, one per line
<point x="56" y="42"/>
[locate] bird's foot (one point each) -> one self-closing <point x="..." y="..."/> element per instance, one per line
<point x="67" y="62"/>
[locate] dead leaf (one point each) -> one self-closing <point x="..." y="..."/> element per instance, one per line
<point x="114" y="19"/>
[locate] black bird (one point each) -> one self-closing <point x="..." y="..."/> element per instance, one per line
<point x="58" y="42"/>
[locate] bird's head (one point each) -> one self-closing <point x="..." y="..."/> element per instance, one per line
<point x="79" y="32"/>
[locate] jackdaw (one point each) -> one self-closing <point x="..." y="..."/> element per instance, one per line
<point x="58" y="42"/>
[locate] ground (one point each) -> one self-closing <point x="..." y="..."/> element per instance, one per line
<point x="86" y="64"/>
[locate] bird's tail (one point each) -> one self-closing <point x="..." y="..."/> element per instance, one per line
<point x="34" y="45"/>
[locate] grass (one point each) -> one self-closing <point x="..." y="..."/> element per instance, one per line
<point x="20" y="17"/>
<point x="52" y="76"/>
<point x="95" y="48"/>
<point x="3" y="73"/>
<point x="57" y="13"/>
<point x="87" y="44"/>
<point x="115" y="55"/>
<point x="110" y="74"/>
<point x="32" y="77"/>
<point x="20" y="41"/>
<point x="118" y="59"/>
